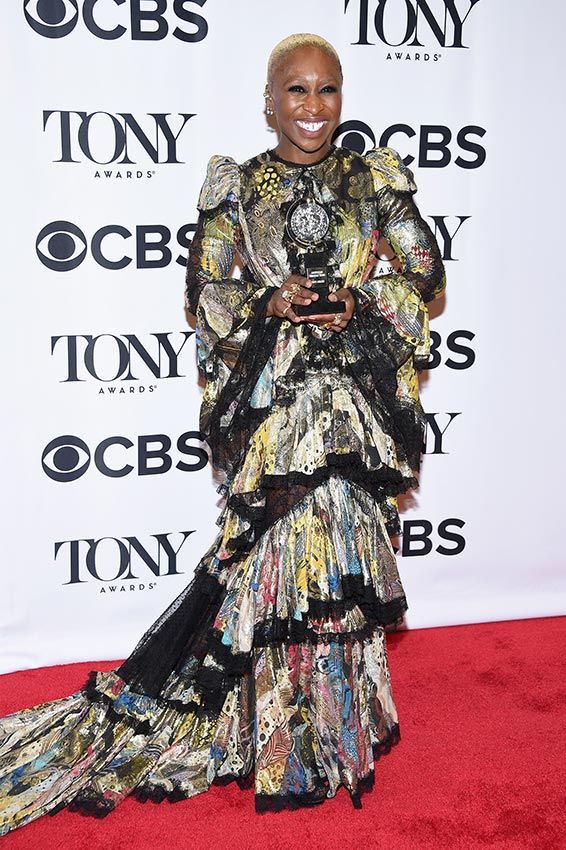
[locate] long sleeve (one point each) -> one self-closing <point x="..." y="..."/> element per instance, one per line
<point x="224" y="306"/>
<point x="230" y="311"/>
<point x="401" y="297"/>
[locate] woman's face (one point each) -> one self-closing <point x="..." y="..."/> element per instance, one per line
<point x="306" y="91"/>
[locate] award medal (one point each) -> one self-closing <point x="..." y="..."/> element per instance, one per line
<point x="308" y="222"/>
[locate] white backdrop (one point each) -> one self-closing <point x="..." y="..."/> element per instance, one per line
<point x="109" y="120"/>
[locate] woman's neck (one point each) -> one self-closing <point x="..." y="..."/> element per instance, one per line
<point x="294" y="156"/>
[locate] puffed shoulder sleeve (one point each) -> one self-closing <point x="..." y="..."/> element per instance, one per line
<point x="401" y="223"/>
<point x="389" y="170"/>
<point x="221" y="184"/>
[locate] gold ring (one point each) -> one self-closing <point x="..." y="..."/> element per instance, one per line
<point x="288" y="307"/>
<point x="287" y="295"/>
<point x="337" y="319"/>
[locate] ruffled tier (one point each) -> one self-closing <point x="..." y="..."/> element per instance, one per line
<point x="329" y="418"/>
<point x="326" y="429"/>
<point x="326" y="567"/>
<point x="305" y="720"/>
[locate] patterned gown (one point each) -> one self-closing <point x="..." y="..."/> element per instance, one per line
<point x="270" y="667"/>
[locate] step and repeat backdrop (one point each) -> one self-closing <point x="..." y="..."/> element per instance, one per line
<point x="112" y="109"/>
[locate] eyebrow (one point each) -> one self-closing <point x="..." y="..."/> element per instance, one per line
<point x="302" y="79"/>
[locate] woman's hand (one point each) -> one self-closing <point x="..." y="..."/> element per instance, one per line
<point x="326" y="320"/>
<point x="298" y="287"/>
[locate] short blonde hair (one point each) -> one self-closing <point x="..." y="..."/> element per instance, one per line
<point x="292" y="42"/>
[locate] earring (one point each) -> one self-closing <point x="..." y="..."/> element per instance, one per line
<point x="268" y="108"/>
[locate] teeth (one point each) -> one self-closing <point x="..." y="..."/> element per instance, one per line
<point x="311" y="125"/>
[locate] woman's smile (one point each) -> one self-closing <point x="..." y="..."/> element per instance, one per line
<point x="311" y="129"/>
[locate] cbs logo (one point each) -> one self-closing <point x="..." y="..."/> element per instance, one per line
<point x="435" y="144"/>
<point x="58" y="18"/>
<point x="67" y="458"/>
<point x="62" y="246"/>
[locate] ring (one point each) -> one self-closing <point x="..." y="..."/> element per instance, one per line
<point x="295" y="287"/>
<point x="337" y="319"/>
<point x="287" y="295"/>
<point x="288" y="307"/>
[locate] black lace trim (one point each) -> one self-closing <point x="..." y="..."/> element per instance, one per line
<point x="142" y="727"/>
<point x="179" y="633"/>
<point x="94" y="807"/>
<point x="217" y="681"/>
<point x="157" y="794"/>
<point x="236" y="664"/>
<point x="291" y="631"/>
<point x="369" y="332"/>
<point x="378" y="483"/>
<point x="228" y="441"/>
<point x="221" y="679"/>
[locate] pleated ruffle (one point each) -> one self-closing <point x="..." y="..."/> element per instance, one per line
<point x="327" y="566"/>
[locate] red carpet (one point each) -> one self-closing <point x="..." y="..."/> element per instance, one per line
<point x="481" y="762"/>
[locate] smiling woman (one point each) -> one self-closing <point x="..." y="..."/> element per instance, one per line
<point x="305" y="89"/>
<point x="271" y="666"/>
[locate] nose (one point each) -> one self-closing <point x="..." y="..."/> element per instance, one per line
<point x="313" y="104"/>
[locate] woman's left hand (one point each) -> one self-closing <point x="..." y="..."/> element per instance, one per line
<point x="326" y="320"/>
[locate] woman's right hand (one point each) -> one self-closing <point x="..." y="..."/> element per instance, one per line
<point x="283" y="308"/>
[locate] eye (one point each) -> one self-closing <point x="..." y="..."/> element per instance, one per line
<point x="53" y="19"/>
<point x="65" y="458"/>
<point x="61" y="246"/>
<point x="329" y="89"/>
<point x="355" y="135"/>
<point x="296" y="88"/>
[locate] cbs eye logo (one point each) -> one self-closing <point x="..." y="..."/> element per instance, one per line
<point x="357" y="136"/>
<point x="51" y="18"/>
<point x="65" y="458"/>
<point x="61" y="246"/>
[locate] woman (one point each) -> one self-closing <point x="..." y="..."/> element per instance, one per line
<point x="271" y="667"/>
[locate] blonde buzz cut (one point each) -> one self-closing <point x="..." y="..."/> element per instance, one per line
<point x="292" y="42"/>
